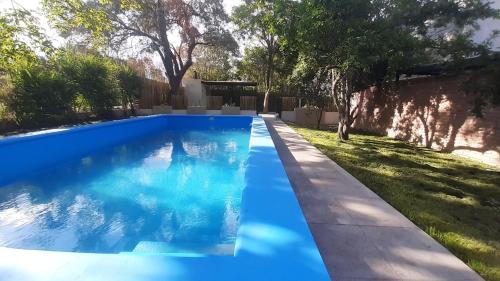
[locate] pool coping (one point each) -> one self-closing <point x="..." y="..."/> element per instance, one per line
<point x="273" y="241"/>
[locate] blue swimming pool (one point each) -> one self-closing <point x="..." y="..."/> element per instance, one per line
<point x="169" y="197"/>
<point x="167" y="191"/>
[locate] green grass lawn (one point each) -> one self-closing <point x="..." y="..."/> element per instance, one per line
<point x="455" y="200"/>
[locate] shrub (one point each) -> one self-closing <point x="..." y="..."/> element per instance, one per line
<point x="39" y="95"/>
<point x="5" y="89"/>
<point x="95" y="80"/>
<point x="50" y="92"/>
<point x="40" y="85"/>
<point x="130" y="86"/>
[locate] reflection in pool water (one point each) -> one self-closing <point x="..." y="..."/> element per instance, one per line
<point x="173" y="191"/>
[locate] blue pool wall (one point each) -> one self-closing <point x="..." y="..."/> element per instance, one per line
<point x="21" y="155"/>
<point x="273" y="229"/>
<point x="273" y="241"/>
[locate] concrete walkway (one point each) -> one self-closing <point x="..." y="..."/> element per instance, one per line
<point x="359" y="235"/>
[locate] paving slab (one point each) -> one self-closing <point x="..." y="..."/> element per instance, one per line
<point x="360" y="236"/>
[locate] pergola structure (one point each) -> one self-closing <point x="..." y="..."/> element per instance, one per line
<point x="230" y="91"/>
<point x="230" y="83"/>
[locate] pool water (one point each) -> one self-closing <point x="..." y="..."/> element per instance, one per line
<point x="168" y="192"/>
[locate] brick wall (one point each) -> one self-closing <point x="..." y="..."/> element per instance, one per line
<point x="433" y="112"/>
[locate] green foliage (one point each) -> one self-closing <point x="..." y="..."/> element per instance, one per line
<point x="455" y="200"/>
<point x="253" y="65"/>
<point x="149" y="25"/>
<point x="367" y="43"/>
<point x="26" y="87"/>
<point x="75" y="16"/>
<point x="94" y="77"/>
<point x="213" y="63"/>
<point x="20" y="38"/>
<point x="258" y="20"/>
<point x="312" y="83"/>
<point x="484" y="86"/>
<point x="100" y="82"/>
<point x="130" y="85"/>
<point x="40" y="95"/>
<point x="48" y="92"/>
<point x="5" y="90"/>
<point x="255" y="20"/>
<point x="400" y="33"/>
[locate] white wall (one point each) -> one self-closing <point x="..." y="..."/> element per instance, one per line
<point x="195" y="92"/>
<point x="288" y="116"/>
<point x="248" y="112"/>
<point x="330" y="118"/>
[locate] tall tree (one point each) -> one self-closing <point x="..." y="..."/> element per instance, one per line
<point x="311" y="81"/>
<point x="252" y="67"/>
<point x="213" y="63"/>
<point x="170" y="28"/>
<point x="366" y="42"/>
<point x="255" y="20"/>
<point x="21" y="39"/>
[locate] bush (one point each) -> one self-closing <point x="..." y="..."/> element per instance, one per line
<point x="130" y="86"/>
<point x="50" y="92"/>
<point x="5" y="89"/>
<point x="95" y="80"/>
<point x="39" y="96"/>
<point x="40" y="85"/>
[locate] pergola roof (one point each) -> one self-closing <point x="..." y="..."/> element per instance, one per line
<point x="445" y="67"/>
<point x="230" y="83"/>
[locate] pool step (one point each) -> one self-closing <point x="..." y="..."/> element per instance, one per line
<point x="153" y="247"/>
<point x="163" y="248"/>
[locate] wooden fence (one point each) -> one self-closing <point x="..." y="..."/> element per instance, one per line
<point x="248" y="103"/>
<point x="153" y="93"/>
<point x="288" y="103"/>
<point x="178" y="101"/>
<point x="214" y="102"/>
<point x="157" y="93"/>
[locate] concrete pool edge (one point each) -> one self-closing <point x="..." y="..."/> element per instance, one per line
<point x="273" y="243"/>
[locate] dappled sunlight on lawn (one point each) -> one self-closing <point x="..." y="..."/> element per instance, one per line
<point x="455" y="200"/>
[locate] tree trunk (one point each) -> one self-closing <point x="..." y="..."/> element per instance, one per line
<point x="342" y="93"/>
<point x="266" y="102"/>
<point x="133" y="112"/>
<point x="269" y="75"/>
<point x="345" y="115"/>
<point x="175" y="85"/>
<point x="343" y="131"/>
<point x="318" y="124"/>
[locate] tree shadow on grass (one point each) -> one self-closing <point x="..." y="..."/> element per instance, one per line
<point x="421" y="171"/>
<point x="476" y="223"/>
<point x="360" y="164"/>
